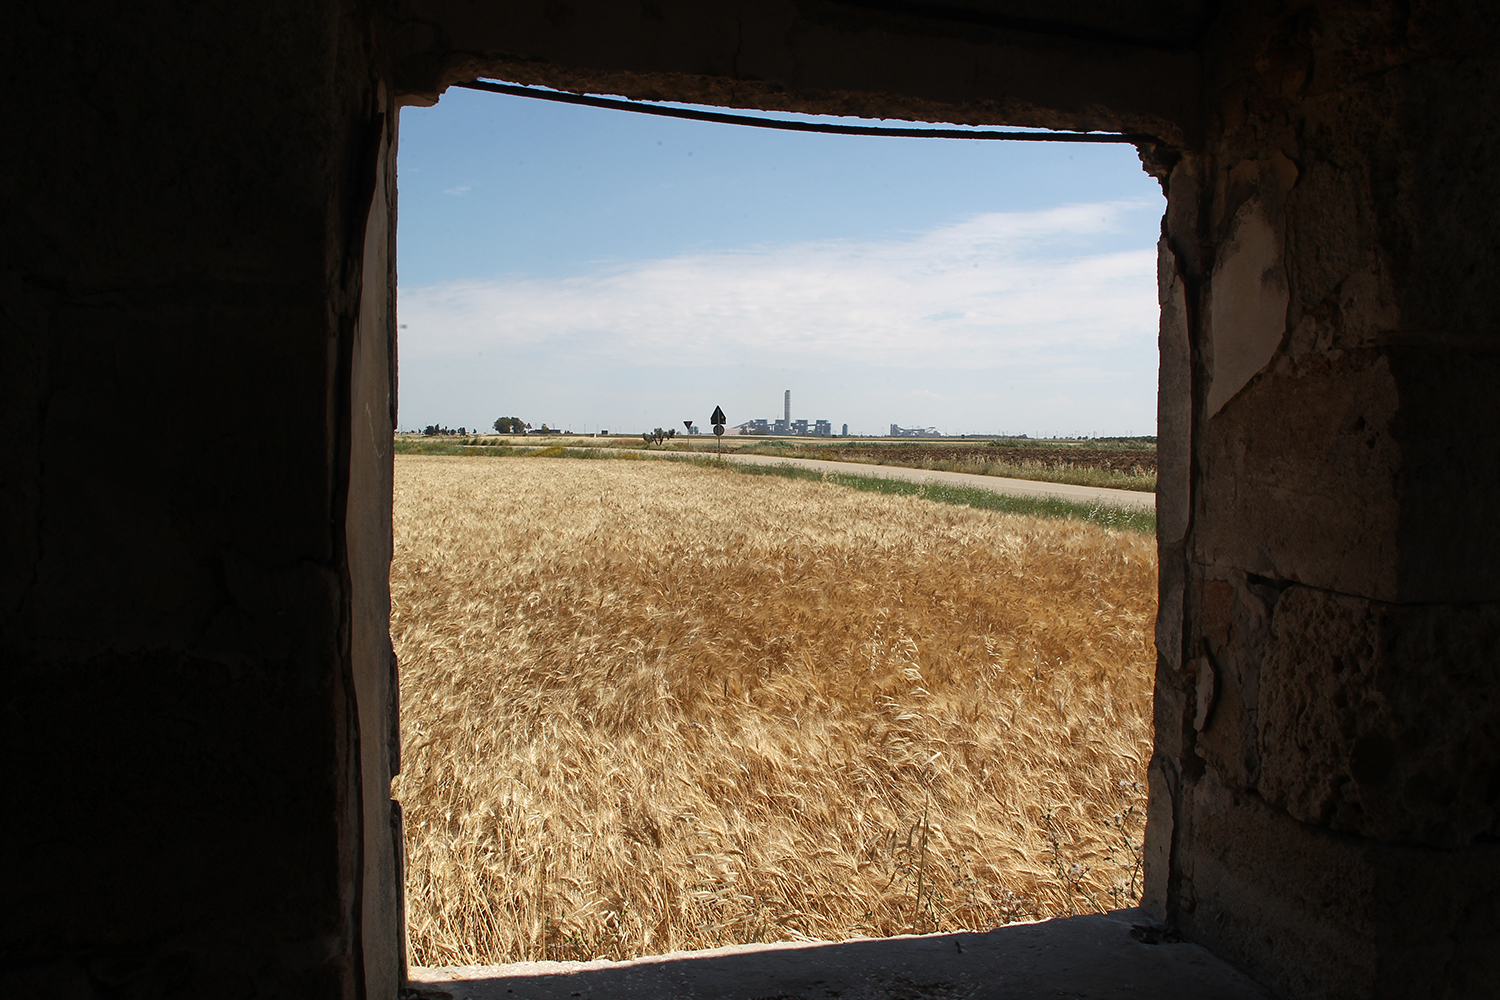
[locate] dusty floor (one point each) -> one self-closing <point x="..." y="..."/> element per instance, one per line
<point x="1079" y="958"/>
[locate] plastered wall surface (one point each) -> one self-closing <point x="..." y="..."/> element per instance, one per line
<point x="196" y="293"/>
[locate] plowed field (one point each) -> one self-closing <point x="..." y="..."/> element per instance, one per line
<point x="1130" y="462"/>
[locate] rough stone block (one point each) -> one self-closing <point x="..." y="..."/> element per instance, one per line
<point x="1248" y="294"/>
<point x="1319" y="914"/>
<point x="1174" y="403"/>
<point x="1383" y="720"/>
<point x="1232" y="627"/>
<point x="1163" y="782"/>
<point x="1297" y="476"/>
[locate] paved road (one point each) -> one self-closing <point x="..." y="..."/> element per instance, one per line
<point x="997" y="484"/>
<point x="1011" y="487"/>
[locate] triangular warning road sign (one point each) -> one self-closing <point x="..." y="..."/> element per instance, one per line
<point x="718" y="417"/>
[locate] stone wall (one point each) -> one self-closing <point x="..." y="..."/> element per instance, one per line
<point x="1326" y="786"/>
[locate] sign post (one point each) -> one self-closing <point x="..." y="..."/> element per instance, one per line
<point x="718" y="421"/>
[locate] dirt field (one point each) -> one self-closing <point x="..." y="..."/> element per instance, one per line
<point x="1116" y="463"/>
<point x="1128" y="463"/>
<point x="650" y="706"/>
<point x="1134" y="462"/>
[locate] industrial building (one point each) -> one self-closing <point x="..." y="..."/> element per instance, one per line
<point x="786" y="425"/>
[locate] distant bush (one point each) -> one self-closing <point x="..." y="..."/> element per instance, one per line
<point x="658" y="435"/>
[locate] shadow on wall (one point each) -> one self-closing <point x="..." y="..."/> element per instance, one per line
<point x="1082" y="958"/>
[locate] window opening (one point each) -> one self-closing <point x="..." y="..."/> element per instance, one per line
<point x="652" y="705"/>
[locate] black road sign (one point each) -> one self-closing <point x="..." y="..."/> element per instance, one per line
<point x="718" y="421"/>
<point x="688" y="424"/>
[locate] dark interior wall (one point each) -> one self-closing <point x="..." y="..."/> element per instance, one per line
<point x="972" y="62"/>
<point x="184" y="190"/>
<point x="195" y="304"/>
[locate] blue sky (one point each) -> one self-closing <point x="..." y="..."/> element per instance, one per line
<point x="591" y="268"/>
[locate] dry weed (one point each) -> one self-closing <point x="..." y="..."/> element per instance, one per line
<point x="649" y="706"/>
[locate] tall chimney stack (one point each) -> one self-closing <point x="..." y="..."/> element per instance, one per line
<point x="788" y="414"/>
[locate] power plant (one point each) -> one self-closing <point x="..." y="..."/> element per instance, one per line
<point x="786" y="425"/>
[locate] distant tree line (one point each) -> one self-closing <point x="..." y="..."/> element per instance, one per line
<point x="433" y="430"/>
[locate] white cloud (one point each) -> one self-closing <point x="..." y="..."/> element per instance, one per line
<point x="998" y="288"/>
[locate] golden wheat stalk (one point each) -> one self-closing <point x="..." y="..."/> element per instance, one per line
<point x="650" y="707"/>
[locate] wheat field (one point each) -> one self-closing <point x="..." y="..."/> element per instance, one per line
<point x="649" y="706"/>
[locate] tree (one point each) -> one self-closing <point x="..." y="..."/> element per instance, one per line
<point x="510" y="425"/>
